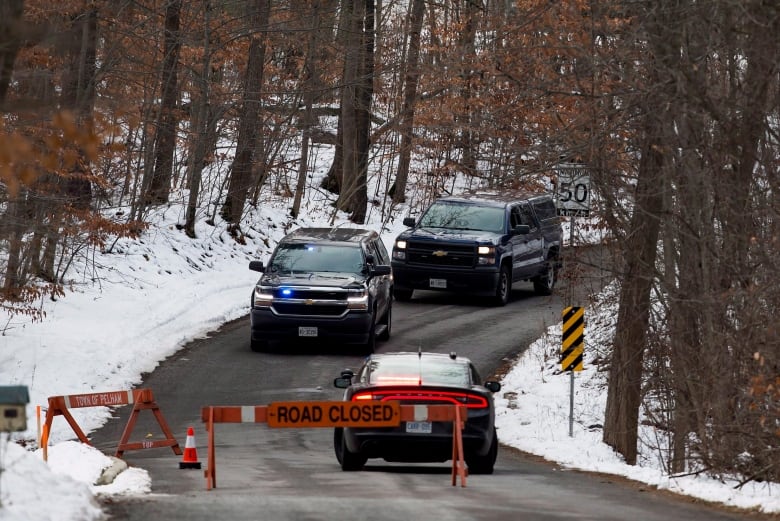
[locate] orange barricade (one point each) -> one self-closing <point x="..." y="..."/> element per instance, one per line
<point x="142" y="399"/>
<point x="334" y="414"/>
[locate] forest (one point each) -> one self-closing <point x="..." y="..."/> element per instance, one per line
<point x="111" y="108"/>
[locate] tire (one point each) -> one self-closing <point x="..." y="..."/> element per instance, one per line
<point x="484" y="464"/>
<point x="387" y="321"/>
<point x="544" y="284"/>
<point x="402" y="295"/>
<point x="349" y="461"/>
<point x="504" y="286"/>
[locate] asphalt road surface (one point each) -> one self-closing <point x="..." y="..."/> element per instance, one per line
<point x="292" y="474"/>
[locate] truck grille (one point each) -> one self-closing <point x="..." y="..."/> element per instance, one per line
<point x="435" y="254"/>
<point x="310" y="302"/>
<point x="315" y="294"/>
<point x="308" y="310"/>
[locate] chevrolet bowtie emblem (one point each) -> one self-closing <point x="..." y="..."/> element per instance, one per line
<point x="439" y="253"/>
<point x="308" y="302"/>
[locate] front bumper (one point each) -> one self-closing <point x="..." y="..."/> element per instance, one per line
<point x="480" y="281"/>
<point x="351" y="328"/>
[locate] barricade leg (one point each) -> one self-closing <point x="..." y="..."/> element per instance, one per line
<point x="211" y="471"/>
<point x="458" y="464"/>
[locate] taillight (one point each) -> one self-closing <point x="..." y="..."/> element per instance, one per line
<point x="471" y="401"/>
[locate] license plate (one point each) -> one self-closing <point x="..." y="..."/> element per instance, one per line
<point x="307" y="331"/>
<point x="438" y="283"/>
<point x="419" y="427"/>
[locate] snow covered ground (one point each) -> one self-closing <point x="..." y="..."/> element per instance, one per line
<point x="122" y="319"/>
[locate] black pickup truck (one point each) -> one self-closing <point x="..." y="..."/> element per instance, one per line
<point x="323" y="284"/>
<point x="480" y="242"/>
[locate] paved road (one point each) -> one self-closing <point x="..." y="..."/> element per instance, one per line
<point x="292" y="474"/>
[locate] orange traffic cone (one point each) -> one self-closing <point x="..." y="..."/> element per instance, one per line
<point x="190" y="458"/>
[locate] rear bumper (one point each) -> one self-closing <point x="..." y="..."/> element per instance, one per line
<point x="395" y="444"/>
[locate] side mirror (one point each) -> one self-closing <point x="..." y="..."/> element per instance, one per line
<point x="256" y="266"/>
<point x="521" y="229"/>
<point x="409" y="221"/>
<point x="345" y="380"/>
<point x="492" y="386"/>
<point x="342" y="383"/>
<point x="382" y="269"/>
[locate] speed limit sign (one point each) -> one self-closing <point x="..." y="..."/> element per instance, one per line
<point x="573" y="190"/>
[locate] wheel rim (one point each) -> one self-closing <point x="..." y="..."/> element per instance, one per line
<point x="550" y="276"/>
<point x="504" y="285"/>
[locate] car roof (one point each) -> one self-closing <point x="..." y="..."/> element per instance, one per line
<point x="494" y="197"/>
<point x="346" y="235"/>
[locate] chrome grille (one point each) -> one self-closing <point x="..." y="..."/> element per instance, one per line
<point x="435" y="254"/>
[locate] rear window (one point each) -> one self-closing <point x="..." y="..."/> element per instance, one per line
<point x="414" y="371"/>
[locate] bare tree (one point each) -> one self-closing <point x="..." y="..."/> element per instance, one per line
<point x="309" y="85"/>
<point x="165" y="137"/>
<point x="10" y="41"/>
<point x="411" y="80"/>
<point x="241" y="170"/>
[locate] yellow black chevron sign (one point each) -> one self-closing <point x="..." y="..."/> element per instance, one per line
<point x="573" y="343"/>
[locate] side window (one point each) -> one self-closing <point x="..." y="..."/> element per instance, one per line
<point x="526" y="216"/>
<point x="515" y="217"/>
<point x="545" y="209"/>
<point x="380" y="252"/>
<point x="475" y="378"/>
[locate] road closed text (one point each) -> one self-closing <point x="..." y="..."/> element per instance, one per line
<point x="334" y="414"/>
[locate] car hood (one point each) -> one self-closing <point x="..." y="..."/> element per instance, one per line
<point x="448" y="235"/>
<point x="319" y="278"/>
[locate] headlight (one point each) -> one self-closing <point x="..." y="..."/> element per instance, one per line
<point x="399" y="252"/>
<point x="263" y="297"/>
<point x="358" y="300"/>
<point x="487" y="255"/>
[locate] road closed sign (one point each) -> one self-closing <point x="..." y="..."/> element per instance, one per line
<point x="334" y="414"/>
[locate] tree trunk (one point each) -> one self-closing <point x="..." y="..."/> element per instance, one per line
<point x="625" y="374"/>
<point x="240" y="180"/>
<point x="365" y="94"/>
<point x="464" y="116"/>
<point x="353" y="45"/>
<point x="411" y="80"/>
<point x="165" y="138"/>
<point x="10" y="41"/>
<point x="309" y="85"/>
<point x="201" y="122"/>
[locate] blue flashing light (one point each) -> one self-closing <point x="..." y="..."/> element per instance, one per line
<point x="286" y="292"/>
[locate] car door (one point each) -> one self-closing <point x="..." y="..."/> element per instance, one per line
<point x="380" y="284"/>
<point x="526" y="248"/>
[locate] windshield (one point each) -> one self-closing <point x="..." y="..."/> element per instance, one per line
<point x="298" y="258"/>
<point x="461" y="216"/>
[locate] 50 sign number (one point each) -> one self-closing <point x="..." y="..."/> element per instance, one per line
<point x="573" y="191"/>
<point x="576" y="191"/>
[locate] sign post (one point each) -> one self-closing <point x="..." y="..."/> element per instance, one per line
<point x="573" y="200"/>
